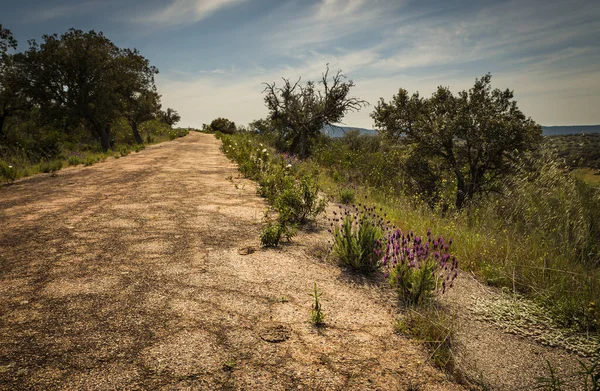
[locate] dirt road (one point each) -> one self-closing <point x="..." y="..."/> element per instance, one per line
<point x="130" y="274"/>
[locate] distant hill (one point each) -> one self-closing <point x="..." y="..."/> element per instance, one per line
<point x="339" y="131"/>
<point x="573" y="129"/>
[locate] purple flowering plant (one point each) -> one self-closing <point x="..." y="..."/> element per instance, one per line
<point x="417" y="266"/>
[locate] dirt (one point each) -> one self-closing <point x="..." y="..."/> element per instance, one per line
<point x="145" y="272"/>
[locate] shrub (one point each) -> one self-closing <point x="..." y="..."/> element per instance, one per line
<point x="7" y="172"/>
<point x="357" y="238"/>
<point x="272" y="234"/>
<point x="139" y="147"/>
<point x="299" y="201"/>
<point x="222" y="125"/>
<point x="347" y="196"/>
<point x="50" y="167"/>
<point x="419" y="268"/>
<point x="89" y="161"/>
<point x="124" y="150"/>
<point x="74" y="160"/>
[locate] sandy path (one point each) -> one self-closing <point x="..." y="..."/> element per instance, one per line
<point x="126" y="275"/>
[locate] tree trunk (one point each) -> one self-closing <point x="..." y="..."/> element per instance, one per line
<point x="2" y="117"/>
<point x="461" y="190"/>
<point x="136" y="133"/>
<point x="105" y="138"/>
<point x="303" y="145"/>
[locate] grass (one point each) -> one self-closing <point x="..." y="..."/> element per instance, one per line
<point x="590" y="176"/>
<point x="435" y="329"/>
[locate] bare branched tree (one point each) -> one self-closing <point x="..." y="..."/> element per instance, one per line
<point x="301" y="111"/>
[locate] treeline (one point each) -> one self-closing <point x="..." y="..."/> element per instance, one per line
<point x="578" y="150"/>
<point x="75" y="91"/>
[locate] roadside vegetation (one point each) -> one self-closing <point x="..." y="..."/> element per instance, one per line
<point x="73" y="99"/>
<point x="452" y="179"/>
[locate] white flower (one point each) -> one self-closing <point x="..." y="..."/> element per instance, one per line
<point x="9" y="166"/>
<point x="288" y="166"/>
<point x="264" y="150"/>
<point x="260" y="144"/>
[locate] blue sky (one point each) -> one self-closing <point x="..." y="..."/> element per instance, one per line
<point x="213" y="55"/>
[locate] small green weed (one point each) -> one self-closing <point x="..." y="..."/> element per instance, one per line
<point x="317" y="316"/>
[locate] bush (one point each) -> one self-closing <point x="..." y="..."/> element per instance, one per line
<point x="124" y="150"/>
<point x="357" y="238"/>
<point x="7" y="172"/>
<point x="74" y="160"/>
<point x="419" y="268"/>
<point x="50" y="167"/>
<point x="347" y="196"/>
<point x="222" y="125"/>
<point x="90" y="160"/>
<point x="272" y="234"/>
<point x="299" y="202"/>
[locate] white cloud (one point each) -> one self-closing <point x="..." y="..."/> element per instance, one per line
<point x="187" y="11"/>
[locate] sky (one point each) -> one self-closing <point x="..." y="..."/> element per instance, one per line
<point x="215" y="55"/>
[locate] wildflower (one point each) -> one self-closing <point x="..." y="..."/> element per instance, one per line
<point x="264" y="150"/>
<point x="288" y="166"/>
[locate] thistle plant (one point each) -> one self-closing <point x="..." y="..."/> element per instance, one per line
<point x="316" y="314"/>
<point x="419" y="267"/>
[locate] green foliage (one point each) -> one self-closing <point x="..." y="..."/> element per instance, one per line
<point x="317" y="316"/>
<point x="346" y="196"/>
<point x="7" y="172"/>
<point x="169" y="117"/>
<point x="74" y="160"/>
<point x="90" y="160"/>
<point x="578" y="150"/>
<point x="272" y="234"/>
<point x="124" y="150"/>
<point x="357" y="238"/>
<point x="299" y="201"/>
<point x="50" y="167"/>
<point x="115" y="74"/>
<point x="300" y="112"/>
<point x="294" y="195"/>
<point x="222" y="125"/>
<point x="475" y="133"/>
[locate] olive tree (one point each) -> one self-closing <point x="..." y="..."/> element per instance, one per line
<point x="84" y="78"/>
<point x="475" y="133"/>
<point x="300" y="112"/>
<point x="170" y="116"/>
<point x="222" y="125"/>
